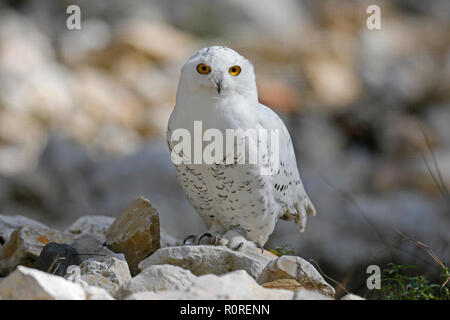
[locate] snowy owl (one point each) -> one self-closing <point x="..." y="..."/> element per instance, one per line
<point x="237" y="202"/>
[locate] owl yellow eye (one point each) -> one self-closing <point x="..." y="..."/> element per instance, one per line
<point x="203" y="68"/>
<point x="234" y="70"/>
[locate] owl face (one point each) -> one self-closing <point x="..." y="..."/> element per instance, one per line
<point x="218" y="72"/>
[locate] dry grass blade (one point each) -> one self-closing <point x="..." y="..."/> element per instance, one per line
<point x="53" y="264"/>
<point x="437" y="179"/>
<point x="329" y="278"/>
<point x="424" y="247"/>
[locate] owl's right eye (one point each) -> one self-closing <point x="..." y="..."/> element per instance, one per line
<point x="203" y="68"/>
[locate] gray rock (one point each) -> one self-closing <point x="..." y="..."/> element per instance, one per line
<point x="8" y="224"/>
<point x="108" y="273"/>
<point x="91" y="245"/>
<point x="91" y="224"/>
<point x="31" y="284"/>
<point x="157" y="278"/>
<point x="56" y="257"/>
<point x="167" y="240"/>
<point x="291" y="267"/>
<point x="203" y="259"/>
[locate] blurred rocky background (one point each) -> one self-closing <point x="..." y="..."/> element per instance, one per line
<point x="83" y="115"/>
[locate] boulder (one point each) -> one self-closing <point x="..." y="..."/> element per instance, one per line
<point x="157" y="278"/>
<point x="205" y="259"/>
<point x="135" y="233"/>
<point x="25" y="245"/>
<point x="292" y="267"/>
<point x="31" y="284"/>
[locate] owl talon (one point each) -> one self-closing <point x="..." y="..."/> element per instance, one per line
<point x="259" y="246"/>
<point x="240" y="245"/>
<point x="190" y="237"/>
<point x="209" y="235"/>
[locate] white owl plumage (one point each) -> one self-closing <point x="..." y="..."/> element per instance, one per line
<point x="235" y="201"/>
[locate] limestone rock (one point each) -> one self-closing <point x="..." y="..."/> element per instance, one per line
<point x="204" y="259"/>
<point x="351" y="296"/>
<point x="238" y="285"/>
<point x="73" y="274"/>
<point x="231" y="286"/>
<point x="108" y="273"/>
<point x="157" y="278"/>
<point x="8" y="224"/>
<point x="304" y="294"/>
<point x="97" y="225"/>
<point x="291" y="267"/>
<point x="91" y="245"/>
<point x="287" y="284"/>
<point x="25" y="245"/>
<point x="56" y="257"/>
<point x="193" y="294"/>
<point x="96" y="293"/>
<point x="135" y="233"/>
<point x="31" y="284"/>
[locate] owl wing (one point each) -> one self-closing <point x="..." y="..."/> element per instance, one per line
<point x="287" y="185"/>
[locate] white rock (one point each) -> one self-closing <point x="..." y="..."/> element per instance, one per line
<point x="192" y="294"/>
<point x="239" y="285"/>
<point x="73" y="274"/>
<point x="304" y="294"/>
<point x="291" y="267"/>
<point x="157" y="278"/>
<point x="31" y="284"/>
<point x="96" y="293"/>
<point x="351" y="296"/>
<point x="231" y="286"/>
<point x="202" y="260"/>
<point x="8" y="224"/>
<point x="108" y="273"/>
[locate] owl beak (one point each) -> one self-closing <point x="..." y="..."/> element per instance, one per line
<point x="218" y="84"/>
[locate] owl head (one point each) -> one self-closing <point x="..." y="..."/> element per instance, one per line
<point x="218" y="72"/>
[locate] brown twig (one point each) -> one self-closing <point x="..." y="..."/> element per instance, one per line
<point x="329" y="278"/>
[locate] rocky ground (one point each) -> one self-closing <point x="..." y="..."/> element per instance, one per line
<point x="131" y="258"/>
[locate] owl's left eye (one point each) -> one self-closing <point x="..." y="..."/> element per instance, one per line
<point x="234" y="70"/>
